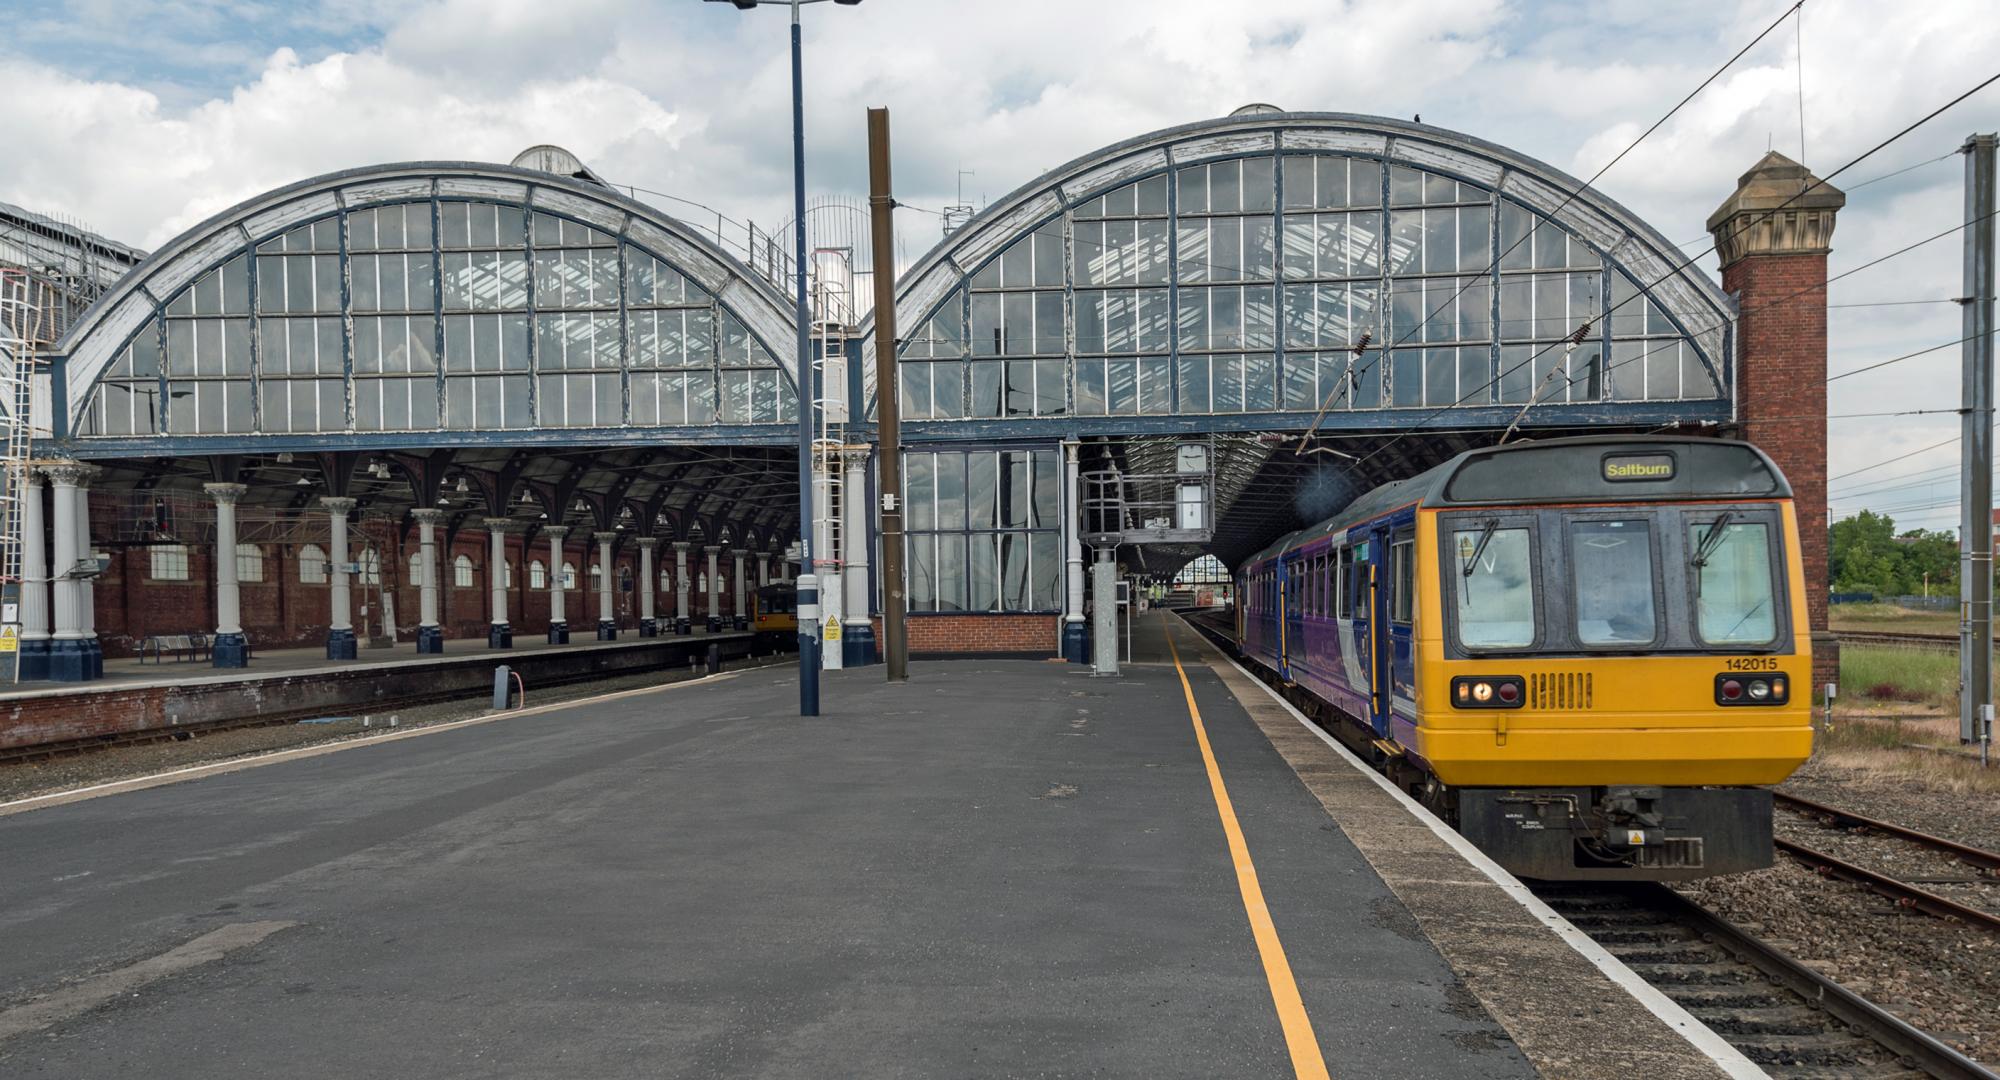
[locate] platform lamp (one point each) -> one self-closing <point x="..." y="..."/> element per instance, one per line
<point x="808" y="585"/>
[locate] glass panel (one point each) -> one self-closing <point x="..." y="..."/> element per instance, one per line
<point x="1612" y="567"/>
<point x="983" y="573"/>
<point x="951" y="587"/>
<point x="1734" y="601"/>
<point x="1496" y="603"/>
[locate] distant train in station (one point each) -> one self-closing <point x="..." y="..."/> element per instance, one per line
<point x="1583" y="653"/>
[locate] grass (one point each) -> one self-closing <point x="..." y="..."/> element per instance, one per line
<point x="1872" y="674"/>
<point x="1875" y="680"/>
<point x="1891" y="618"/>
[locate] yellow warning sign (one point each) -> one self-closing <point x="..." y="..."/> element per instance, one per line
<point x="833" y="629"/>
<point x="10" y="639"/>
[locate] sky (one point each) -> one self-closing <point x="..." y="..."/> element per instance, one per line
<point x="140" y="118"/>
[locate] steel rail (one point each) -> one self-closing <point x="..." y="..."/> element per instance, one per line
<point x="1980" y="857"/>
<point x="1902" y="892"/>
<point x="1886" y="637"/>
<point x="1865" y="1017"/>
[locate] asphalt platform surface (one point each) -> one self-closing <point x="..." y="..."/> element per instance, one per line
<point x="1002" y="868"/>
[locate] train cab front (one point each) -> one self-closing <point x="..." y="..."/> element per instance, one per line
<point x="1608" y="684"/>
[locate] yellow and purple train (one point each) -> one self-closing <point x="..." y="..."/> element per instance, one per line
<point x="1587" y="654"/>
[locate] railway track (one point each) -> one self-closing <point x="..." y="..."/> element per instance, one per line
<point x="1793" y="1021"/>
<point x="1914" y="641"/>
<point x="1981" y="881"/>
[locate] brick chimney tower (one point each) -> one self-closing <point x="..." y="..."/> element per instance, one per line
<point x="1773" y="236"/>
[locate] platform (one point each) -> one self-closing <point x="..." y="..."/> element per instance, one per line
<point x="1000" y="868"/>
<point x="136" y="698"/>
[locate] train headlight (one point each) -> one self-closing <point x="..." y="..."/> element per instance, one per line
<point x="1771" y="689"/>
<point x="1486" y="691"/>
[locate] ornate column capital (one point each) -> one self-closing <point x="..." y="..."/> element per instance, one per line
<point x="605" y="536"/>
<point x="683" y="545"/>
<point x="65" y="473"/>
<point x="1779" y="208"/>
<point x="504" y="525"/>
<point x="740" y="553"/>
<point x="556" y="532"/>
<point x="428" y="515"/>
<point x="225" y="494"/>
<point x="854" y="457"/>
<point x="712" y="549"/>
<point x="649" y="542"/>
<point x="337" y="504"/>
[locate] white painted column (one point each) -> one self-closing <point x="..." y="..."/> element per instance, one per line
<point x="86" y="586"/>
<point x="340" y="622"/>
<point x="714" y="589"/>
<point x="681" y="585"/>
<point x="648" y="625"/>
<point x="430" y="636"/>
<point x="738" y="592"/>
<point x="857" y="530"/>
<point x="34" y="573"/>
<point x="1073" y="632"/>
<point x="229" y="648"/>
<point x="67" y="662"/>
<point x="763" y="568"/>
<point x="558" y="602"/>
<point x="499" y="632"/>
<point x="607" y="624"/>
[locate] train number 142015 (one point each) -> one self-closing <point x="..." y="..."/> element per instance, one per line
<point x="1751" y="663"/>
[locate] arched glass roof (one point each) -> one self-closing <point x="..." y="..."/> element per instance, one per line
<point x="1254" y="271"/>
<point x="418" y="303"/>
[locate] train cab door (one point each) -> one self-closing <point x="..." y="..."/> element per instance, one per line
<point x="1381" y="641"/>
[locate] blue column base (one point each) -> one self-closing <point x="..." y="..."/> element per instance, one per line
<point x="649" y="628"/>
<point x="69" y="661"/>
<point x="93" y="651"/>
<point x="430" y="639"/>
<point x="857" y="645"/>
<point x="340" y="645"/>
<point x="607" y="630"/>
<point x="559" y="633"/>
<point x="34" y="659"/>
<point x="714" y="624"/>
<point x="499" y="636"/>
<point x="742" y="622"/>
<point x="229" y="651"/>
<point x="682" y="625"/>
<point x="1076" y="642"/>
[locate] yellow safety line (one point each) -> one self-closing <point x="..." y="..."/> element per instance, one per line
<point x="1299" y="1039"/>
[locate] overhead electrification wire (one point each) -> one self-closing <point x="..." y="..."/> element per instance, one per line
<point x="1568" y="198"/>
<point x="1897" y="359"/>
<point x="1748" y="221"/>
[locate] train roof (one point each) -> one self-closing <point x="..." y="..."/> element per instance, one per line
<point x="1588" y="468"/>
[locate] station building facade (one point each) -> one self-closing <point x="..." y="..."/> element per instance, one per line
<point x="434" y="379"/>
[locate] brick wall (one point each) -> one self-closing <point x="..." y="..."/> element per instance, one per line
<point x="1781" y="401"/>
<point x="283" y="612"/>
<point x="961" y="635"/>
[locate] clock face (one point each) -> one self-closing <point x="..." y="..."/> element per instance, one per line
<point x="1194" y="458"/>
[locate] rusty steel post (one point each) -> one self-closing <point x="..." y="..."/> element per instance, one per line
<point x="888" y="399"/>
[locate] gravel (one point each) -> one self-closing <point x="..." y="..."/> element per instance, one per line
<point x="1942" y="977"/>
<point x="25" y="779"/>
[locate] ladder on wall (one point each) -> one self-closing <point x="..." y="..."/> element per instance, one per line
<point x="24" y="331"/>
<point x="833" y="314"/>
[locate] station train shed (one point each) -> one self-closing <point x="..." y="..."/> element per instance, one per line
<point x="465" y="404"/>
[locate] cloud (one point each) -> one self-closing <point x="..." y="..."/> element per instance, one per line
<point x="147" y="116"/>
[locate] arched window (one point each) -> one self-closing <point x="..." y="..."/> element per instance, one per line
<point x="249" y="562"/>
<point x="371" y="567"/>
<point x="625" y="579"/>
<point x="312" y="565"/>
<point x="569" y="577"/>
<point x="417" y="567"/>
<point x="506" y="574"/>
<point x="461" y="572"/>
<point x="666" y="580"/>
<point x="538" y="575"/>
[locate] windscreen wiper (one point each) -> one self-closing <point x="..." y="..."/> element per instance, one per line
<point x="1485" y="538"/>
<point x="1711" y="539"/>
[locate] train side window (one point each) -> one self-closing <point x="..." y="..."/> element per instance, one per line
<point x="1403" y="579"/>
<point x="1343" y="591"/>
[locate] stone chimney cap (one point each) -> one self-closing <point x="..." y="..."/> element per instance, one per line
<point x="1751" y="221"/>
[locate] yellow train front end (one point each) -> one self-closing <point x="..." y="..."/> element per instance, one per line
<point x="1619" y="718"/>
<point x="1611" y="656"/>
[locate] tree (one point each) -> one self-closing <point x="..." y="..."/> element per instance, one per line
<point x="1866" y="555"/>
